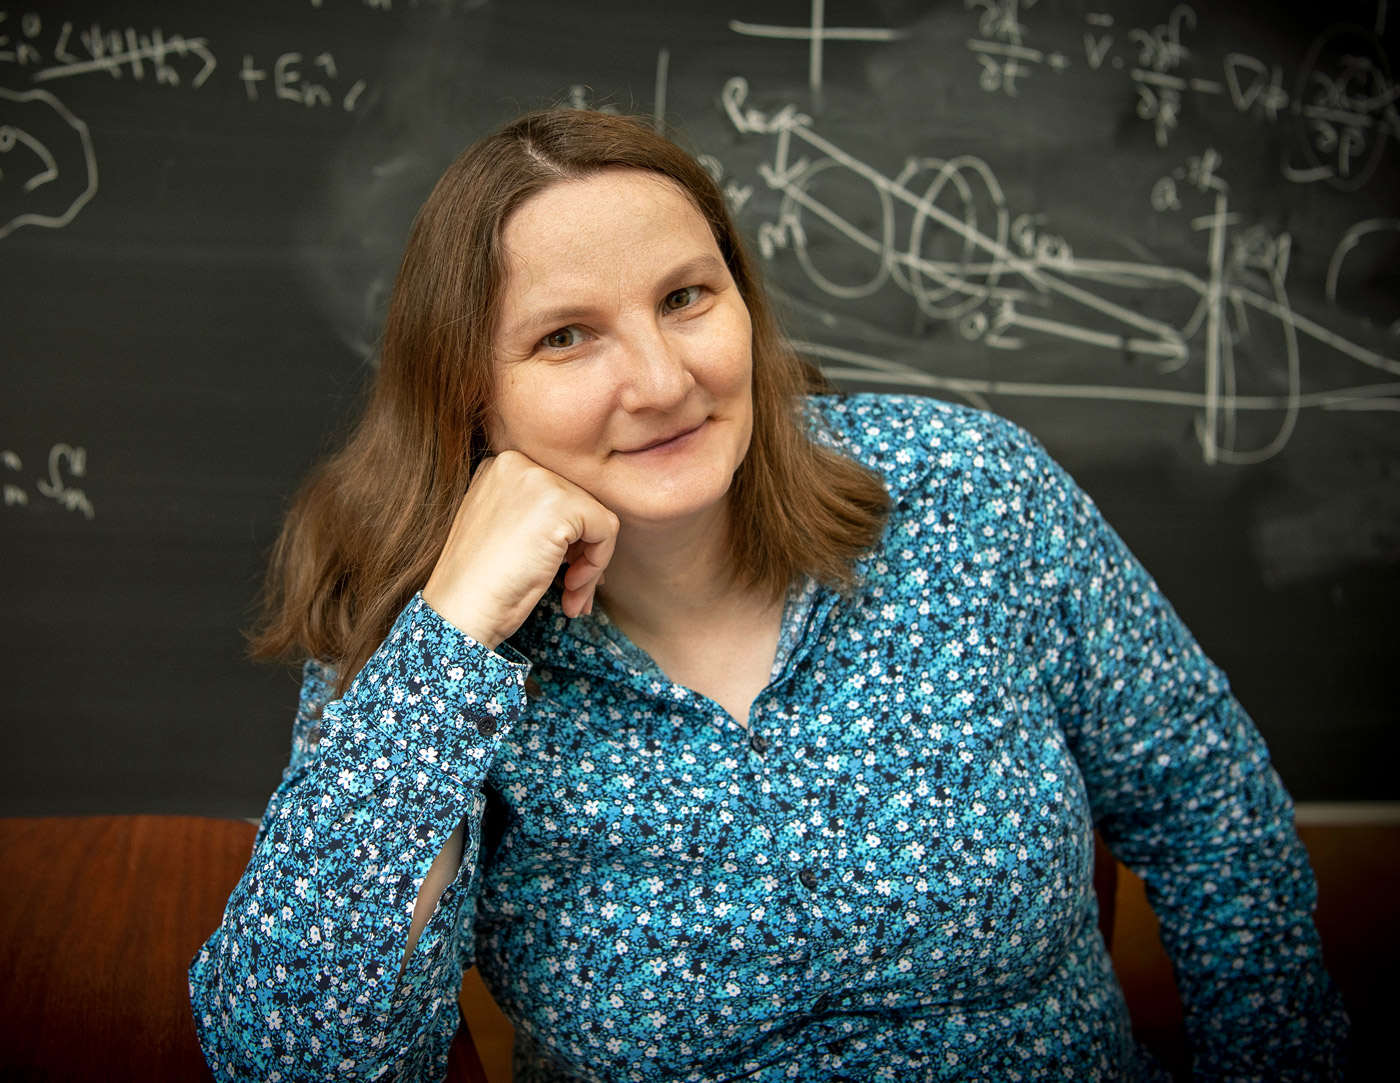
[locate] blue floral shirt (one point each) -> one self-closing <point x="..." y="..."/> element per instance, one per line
<point x="886" y="875"/>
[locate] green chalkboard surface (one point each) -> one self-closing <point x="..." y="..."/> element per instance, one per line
<point x="1163" y="236"/>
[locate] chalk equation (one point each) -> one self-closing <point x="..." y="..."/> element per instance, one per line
<point x="49" y="51"/>
<point x="946" y="236"/>
<point x="65" y="463"/>
<point x="1341" y="99"/>
<point x="48" y="168"/>
<point x="295" y="79"/>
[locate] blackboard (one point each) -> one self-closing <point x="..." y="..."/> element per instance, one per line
<point x="1164" y="237"/>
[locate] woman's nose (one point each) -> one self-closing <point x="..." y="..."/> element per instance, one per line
<point x="656" y="375"/>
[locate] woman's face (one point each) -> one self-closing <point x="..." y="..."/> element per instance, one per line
<point x="623" y="348"/>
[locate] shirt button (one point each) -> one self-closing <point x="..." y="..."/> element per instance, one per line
<point x="486" y="725"/>
<point x="821" y="1004"/>
<point x="758" y="743"/>
<point x="807" y="878"/>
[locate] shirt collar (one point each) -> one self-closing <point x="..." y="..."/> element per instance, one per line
<point x="592" y="644"/>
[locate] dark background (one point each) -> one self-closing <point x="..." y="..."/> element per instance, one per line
<point x="1162" y="238"/>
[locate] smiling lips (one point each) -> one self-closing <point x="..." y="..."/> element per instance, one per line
<point x="665" y="443"/>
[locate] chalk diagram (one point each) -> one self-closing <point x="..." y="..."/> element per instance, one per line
<point x="1005" y="264"/>
<point x="48" y="170"/>
<point x="942" y="231"/>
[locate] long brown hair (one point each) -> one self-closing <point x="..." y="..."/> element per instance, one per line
<point x="367" y="527"/>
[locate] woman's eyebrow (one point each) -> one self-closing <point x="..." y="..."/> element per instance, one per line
<point x="696" y="267"/>
<point x="680" y="274"/>
<point x="548" y="319"/>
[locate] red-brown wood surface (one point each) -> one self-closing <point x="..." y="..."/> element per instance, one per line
<point x="99" y="917"/>
<point x="98" y="920"/>
<point x="1105" y="887"/>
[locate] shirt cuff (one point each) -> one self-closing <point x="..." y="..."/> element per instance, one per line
<point x="431" y="695"/>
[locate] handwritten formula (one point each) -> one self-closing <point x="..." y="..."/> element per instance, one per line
<point x="48" y="163"/>
<point x="64" y="465"/>
<point x="1341" y="97"/>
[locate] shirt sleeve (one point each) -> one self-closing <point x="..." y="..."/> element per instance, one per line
<point x="1183" y="792"/>
<point x="302" y="978"/>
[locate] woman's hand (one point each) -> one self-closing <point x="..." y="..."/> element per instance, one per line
<point x="517" y="524"/>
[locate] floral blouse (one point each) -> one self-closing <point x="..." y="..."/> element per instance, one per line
<point x="885" y="875"/>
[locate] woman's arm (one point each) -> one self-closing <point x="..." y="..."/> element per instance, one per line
<point x="1184" y="793"/>
<point x="341" y="949"/>
<point x="340" y="952"/>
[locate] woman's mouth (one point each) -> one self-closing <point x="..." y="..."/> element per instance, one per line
<point x="671" y="441"/>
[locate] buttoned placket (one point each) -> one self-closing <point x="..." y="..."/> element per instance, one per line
<point x="764" y="754"/>
<point x="760" y="748"/>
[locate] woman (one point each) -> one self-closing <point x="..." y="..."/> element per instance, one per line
<point x="792" y="774"/>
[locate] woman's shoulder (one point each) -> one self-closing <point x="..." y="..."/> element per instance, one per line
<point x="906" y="438"/>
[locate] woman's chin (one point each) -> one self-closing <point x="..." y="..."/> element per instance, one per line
<point x="661" y="508"/>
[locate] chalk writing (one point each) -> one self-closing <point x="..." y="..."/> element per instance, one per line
<point x="1343" y="101"/>
<point x="48" y="170"/>
<point x="65" y="462"/>
<point x="581" y="97"/>
<point x="1357" y="239"/>
<point x="1000" y="46"/>
<point x="170" y="59"/>
<point x="946" y="236"/>
<point x="20" y="50"/>
<point x="119" y="52"/>
<point x="296" y="80"/>
<point x="13" y="494"/>
<point x="816" y="34"/>
<point x="1345" y="107"/>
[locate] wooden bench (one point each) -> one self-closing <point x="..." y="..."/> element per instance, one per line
<point x="101" y="915"/>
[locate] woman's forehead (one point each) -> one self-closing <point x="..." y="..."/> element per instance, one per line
<point x="619" y="222"/>
<point x="573" y="200"/>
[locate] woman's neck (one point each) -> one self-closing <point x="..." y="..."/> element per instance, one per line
<point x="673" y="593"/>
<point x="662" y="579"/>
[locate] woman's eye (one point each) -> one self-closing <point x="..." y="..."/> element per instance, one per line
<point x="561" y="339"/>
<point x="678" y="299"/>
